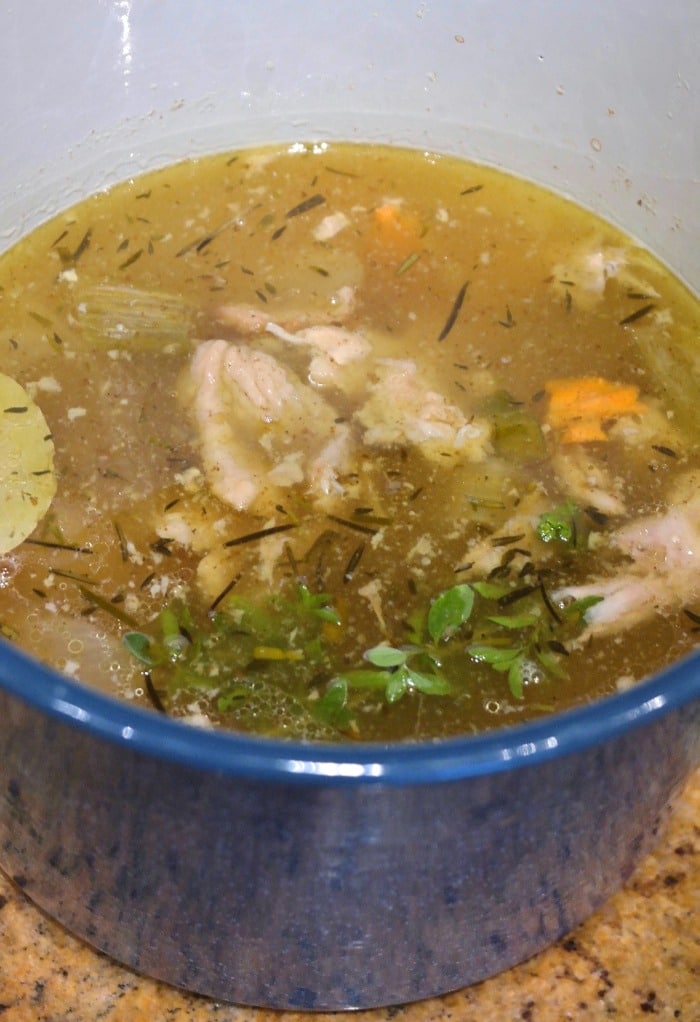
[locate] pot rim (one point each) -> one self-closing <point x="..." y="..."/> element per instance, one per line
<point x="140" y="730"/>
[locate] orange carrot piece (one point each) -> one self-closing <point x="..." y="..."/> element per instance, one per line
<point x="580" y="405"/>
<point x="399" y="231"/>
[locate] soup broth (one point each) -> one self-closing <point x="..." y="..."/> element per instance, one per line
<point x="346" y="442"/>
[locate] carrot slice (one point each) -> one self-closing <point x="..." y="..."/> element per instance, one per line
<point x="399" y="231"/>
<point x="579" y="406"/>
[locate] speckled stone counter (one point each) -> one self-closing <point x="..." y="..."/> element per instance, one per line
<point x="638" y="957"/>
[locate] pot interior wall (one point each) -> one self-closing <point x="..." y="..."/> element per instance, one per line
<point x="598" y="103"/>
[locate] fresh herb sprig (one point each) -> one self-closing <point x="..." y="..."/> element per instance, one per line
<point x="392" y="672"/>
<point x="528" y="642"/>
<point x="514" y="631"/>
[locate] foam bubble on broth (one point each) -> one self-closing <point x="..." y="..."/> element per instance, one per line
<point x="352" y="442"/>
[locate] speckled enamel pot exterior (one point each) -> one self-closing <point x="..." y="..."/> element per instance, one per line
<point x="325" y="877"/>
<point x="322" y="877"/>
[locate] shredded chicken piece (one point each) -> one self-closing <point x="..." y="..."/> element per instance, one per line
<point x="593" y="269"/>
<point x="251" y="319"/>
<point x="588" y="481"/>
<point x="204" y="525"/>
<point x="333" y="350"/>
<point x="371" y="592"/>
<point x="401" y="408"/>
<point x="587" y="270"/>
<point x="664" y="573"/>
<point x="261" y="428"/>
<point x="330" y="226"/>
<point x="654" y="427"/>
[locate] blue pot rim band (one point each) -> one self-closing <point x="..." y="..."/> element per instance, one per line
<point x="399" y="763"/>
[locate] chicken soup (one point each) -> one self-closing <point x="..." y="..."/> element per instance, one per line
<point x="346" y="443"/>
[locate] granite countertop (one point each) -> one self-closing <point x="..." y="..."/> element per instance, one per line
<point x="638" y="957"/>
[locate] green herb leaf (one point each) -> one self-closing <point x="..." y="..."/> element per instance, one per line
<point x="332" y="707"/>
<point x="559" y="524"/>
<point x="516" y="678"/>
<point x="397" y="685"/>
<point x="429" y="684"/>
<point x="317" y="605"/>
<point x="498" y="657"/>
<point x="362" y="678"/>
<point x="514" y="621"/>
<point x="490" y="590"/>
<point x="386" y="656"/>
<point x="449" y="611"/>
<point x="551" y="663"/>
<point x="140" y="646"/>
<point x="169" y="623"/>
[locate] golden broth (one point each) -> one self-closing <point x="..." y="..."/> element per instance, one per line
<point x="440" y="402"/>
